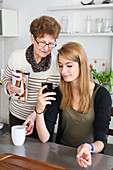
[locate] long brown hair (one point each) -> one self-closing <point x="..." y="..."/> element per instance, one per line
<point x="75" y="52"/>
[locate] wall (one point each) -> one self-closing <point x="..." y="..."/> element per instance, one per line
<point x="96" y="47"/>
<point x="27" y="10"/>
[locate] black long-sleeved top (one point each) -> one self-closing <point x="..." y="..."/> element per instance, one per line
<point x="102" y="107"/>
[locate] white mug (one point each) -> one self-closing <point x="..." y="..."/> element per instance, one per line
<point x="18" y="134"/>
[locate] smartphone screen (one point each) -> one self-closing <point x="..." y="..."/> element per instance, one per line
<point x="49" y="87"/>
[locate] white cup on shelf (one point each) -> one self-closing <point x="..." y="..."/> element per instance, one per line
<point x="18" y="134"/>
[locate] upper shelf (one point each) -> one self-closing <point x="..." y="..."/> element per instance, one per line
<point x="96" y="6"/>
<point x="86" y="34"/>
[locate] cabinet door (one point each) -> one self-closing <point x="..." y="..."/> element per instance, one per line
<point x="8" y="22"/>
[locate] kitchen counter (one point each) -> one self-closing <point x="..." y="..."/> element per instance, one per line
<point x="52" y="153"/>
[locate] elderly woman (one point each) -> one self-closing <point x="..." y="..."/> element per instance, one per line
<point x="40" y="62"/>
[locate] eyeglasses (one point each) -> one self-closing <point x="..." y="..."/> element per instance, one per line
<point x="43" y="44"/>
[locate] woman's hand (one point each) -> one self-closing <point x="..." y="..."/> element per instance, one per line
<point x="44" y="99"/>
<point x="12" y="88"/>
<point x="84" y="155"/>
<point x="29" y="122"/>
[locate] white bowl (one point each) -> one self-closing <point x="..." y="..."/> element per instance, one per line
<point x="1" y="125"/>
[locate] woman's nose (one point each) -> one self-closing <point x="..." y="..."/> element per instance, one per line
<point x="46" y="48"/>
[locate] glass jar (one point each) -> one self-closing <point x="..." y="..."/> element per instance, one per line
<point x="64" y="24"/>
<point x="99" y="24"/>
<point x="88" y="21"/>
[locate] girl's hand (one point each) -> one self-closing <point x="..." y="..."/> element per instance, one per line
<point x="84" y="155"/>
<point x="44" y="99"/>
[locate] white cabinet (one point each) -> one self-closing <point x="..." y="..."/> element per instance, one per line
<point x="8" y="23"/>
<point x="4" y="106"/>
<point x="8" y="28"/>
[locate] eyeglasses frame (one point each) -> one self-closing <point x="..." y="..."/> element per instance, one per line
<point x="45" y="43"/>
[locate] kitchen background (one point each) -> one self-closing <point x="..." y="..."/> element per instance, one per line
<point x="96" y="40"/>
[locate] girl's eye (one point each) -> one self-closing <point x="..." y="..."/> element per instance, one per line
<point x="69" y="65"/>
<point x="60" y="66"/>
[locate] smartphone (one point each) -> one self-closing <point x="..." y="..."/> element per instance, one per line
<point x="49" y="87"/>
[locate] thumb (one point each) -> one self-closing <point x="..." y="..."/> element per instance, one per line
<point x="81" y="151"/>
<point x="25" y="123"/>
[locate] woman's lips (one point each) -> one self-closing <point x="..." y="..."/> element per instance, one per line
<point x="44" y="52"/>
